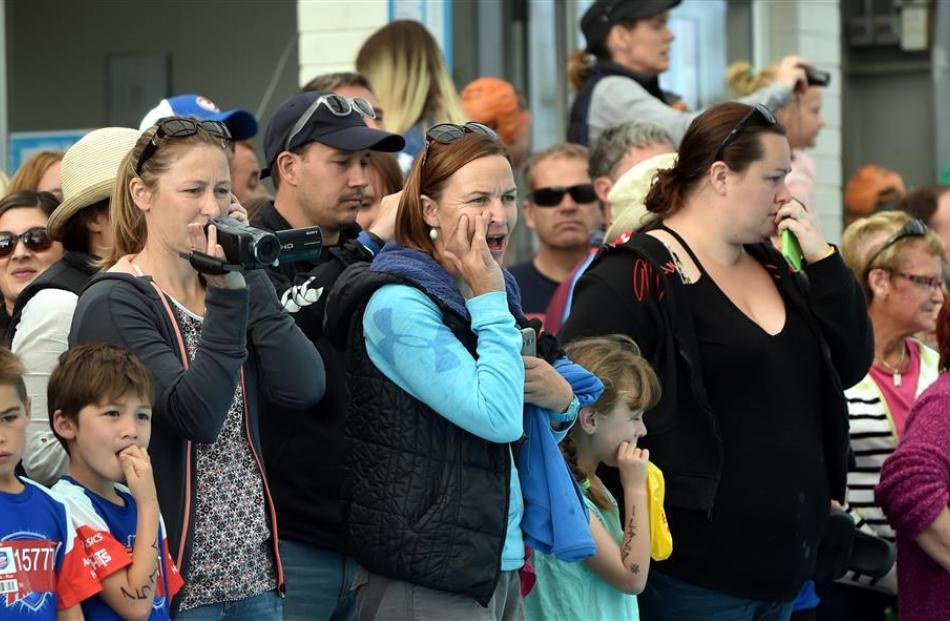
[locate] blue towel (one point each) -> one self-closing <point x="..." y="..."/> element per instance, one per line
<point x="555" y="519"/>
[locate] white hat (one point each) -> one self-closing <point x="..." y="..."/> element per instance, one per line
<point x="629" y="193"/>
<point x="89" y="170"/>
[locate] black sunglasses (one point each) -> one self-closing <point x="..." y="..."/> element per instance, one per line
<point x="338" y="105"/>
<point x="915" y="227"/>
<point x="180" y="127"/>
<point x="733" y="135"/>
<point x="552" y="196"/>
<point x="447" y="133"/>
<point x="36" y="239"/>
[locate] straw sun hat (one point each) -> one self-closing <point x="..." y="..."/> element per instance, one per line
<point x="88" y="172"/>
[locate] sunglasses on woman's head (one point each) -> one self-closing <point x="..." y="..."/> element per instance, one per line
<point x="732" y="136"/>
<point x="915" y="227"/>
<point x="552" y="196"/>
<point x="180" y="127"/>
<point x="35" y="239"/>
<point x="447" y="133"/>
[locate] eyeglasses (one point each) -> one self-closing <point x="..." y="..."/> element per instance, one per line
<point x="733" y="135"/>
<point x="35" y="239"/>
<point x="931" y="282"/>
<point x="915" y="227"/>
<point x="552" y="196"/>
<point x="180" y="127"/>
<point x="338" y="105"/>
<point x="447" y="133"/>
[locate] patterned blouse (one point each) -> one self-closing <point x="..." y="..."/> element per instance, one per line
<point x="232" y="555"/>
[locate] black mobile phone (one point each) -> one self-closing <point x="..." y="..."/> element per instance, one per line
<point x="529" y="342"/>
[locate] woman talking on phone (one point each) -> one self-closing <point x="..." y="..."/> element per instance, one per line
<point x="752" y="429"/>
<point x="213" y="345"/>
<point x="438" y="386"/>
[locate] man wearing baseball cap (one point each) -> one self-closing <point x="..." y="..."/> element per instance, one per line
<point x="245" y="179"/>
<point x="316" y="147"/>
<point x="44" y="310"/>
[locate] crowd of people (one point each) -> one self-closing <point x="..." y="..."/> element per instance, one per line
<point x="685" y="404"/>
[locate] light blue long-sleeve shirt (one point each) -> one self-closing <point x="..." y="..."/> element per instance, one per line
<point x="410" y="344"/>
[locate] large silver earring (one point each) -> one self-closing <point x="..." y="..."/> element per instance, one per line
<point x="433" y="234"/>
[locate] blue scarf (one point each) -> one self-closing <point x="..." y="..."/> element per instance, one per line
<point x="429" y="275"/>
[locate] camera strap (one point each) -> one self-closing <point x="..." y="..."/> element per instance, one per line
<point x="206" y="264"/>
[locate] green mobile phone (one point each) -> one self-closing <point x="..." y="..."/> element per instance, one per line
<point x="791" y="250"/>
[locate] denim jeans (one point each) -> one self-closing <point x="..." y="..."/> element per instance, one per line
<point x="263" y="607"/>
<point x="318" y="583"/>
<point x="669" y="599"/>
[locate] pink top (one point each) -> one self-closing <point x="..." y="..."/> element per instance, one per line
<point x="899" y="399"/>
<point x="914" y="489"/>
<point x="802" y="179"/>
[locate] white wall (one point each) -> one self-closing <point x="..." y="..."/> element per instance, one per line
<point x="332" y="32"/>
<point x="810" y="28"/>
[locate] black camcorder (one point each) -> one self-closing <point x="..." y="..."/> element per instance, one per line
<point x="816" y="77"/>
<point x="251" y="248"/>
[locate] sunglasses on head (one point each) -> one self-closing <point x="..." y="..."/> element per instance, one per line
<point x="447" y="133"/>
<point x="338" y="105"/>
<point x="732" y="136"/>
<point x="35" y="239"/>
<point x="915" y="227"/>
<point x="552" y="196"/>
<point x="180" y="127"/>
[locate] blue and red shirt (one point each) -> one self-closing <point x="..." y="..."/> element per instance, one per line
<point x="42" y="568"/>
<point x="108" y="533"/>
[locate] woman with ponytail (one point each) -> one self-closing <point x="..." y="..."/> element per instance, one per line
<point x="617" y="76"/>
<point x="215" y="345"/>
<point x="603" y="586"/>
<point x="751" y="431"/>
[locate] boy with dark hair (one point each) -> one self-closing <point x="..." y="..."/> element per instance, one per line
<point x="100" y="410"/>
<point x="43" y="573"/>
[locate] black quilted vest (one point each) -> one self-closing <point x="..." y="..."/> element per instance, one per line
<point x="425" y="501"/>
<point x="70" y="273"/>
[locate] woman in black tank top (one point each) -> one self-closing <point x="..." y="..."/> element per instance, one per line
<point x="751" y="432"/>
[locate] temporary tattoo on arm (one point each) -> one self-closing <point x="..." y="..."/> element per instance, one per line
<point x="628" y="537"/>
<point x="142" y="593"/>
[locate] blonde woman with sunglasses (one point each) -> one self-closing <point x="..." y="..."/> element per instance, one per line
<point x="214" y="343"/>
<point x="898" y="262"/>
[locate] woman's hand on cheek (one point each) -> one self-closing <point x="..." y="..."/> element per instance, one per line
<point x="545" y="387"/>
<point x="467" y="254"/>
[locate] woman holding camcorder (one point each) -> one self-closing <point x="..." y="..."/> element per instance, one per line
<point x="213" y="343"/>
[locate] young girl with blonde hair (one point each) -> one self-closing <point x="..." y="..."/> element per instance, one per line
<point x="603" y="586"/>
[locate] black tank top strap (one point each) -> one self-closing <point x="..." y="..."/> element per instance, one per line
<point x="682" y="242"/>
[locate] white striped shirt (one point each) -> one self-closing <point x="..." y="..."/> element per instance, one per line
<point x="873" y="439"/>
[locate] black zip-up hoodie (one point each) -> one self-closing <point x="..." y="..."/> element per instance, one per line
<point x="245" y="333"/>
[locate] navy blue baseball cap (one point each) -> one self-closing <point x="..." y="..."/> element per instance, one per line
<point x="297" y="123"/>
<point x="241" y="123"/>
<point x="603" y="14"/>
